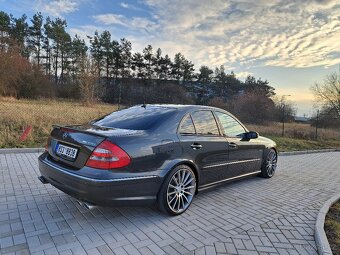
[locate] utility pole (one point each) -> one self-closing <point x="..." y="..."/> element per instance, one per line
<point x="316" y="124"/>
<point x="283" y="113"/>
<point x="283" y="119"/>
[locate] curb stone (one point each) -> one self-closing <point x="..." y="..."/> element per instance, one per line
<point x="288" y="153"/>
<point x="21" y="150"/>
<point x="320" y="235"/>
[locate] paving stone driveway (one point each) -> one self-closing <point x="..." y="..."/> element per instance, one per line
<point x="251" y="216"/>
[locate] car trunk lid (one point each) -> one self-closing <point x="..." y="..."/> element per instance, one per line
<point x="73" y="145"/>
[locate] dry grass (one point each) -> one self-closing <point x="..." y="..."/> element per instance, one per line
<point x="296" y="130"/>
<point x="299" y="136"/>
<point x="332" y="227"/>
<point x="16" y="115"/>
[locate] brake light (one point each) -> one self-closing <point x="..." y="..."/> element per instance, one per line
<point x="68" y="130"/>
<point x="108" y="156"/>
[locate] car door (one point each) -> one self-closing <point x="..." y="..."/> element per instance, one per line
<point x="244" y="155"/>
<point x="203" y="142"/>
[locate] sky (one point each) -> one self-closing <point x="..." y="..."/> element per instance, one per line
<point x="292" y="44"/>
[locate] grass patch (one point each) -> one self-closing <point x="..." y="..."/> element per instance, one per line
<point x="16" y="115"/>
<point x="299" y="136"/>
<point x="332" y="227"/>
<point x="293" y="144"/>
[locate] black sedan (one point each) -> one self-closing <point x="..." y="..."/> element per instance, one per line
<point x="153" y="153"/>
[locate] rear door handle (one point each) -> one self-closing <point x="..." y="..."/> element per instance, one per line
<point x="232" y="145"/>
<point x="196" y="146"/>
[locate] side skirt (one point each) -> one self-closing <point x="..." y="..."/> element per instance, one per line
<point x="213" y="184"/>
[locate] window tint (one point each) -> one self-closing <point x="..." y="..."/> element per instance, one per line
<point x="205" y="123"/>
<point x="187" y="127"/>
<point x="136" y="118"/>
<point x="230" y="126"/>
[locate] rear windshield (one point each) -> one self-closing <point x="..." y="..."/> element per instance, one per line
<point x="136" y="118"/>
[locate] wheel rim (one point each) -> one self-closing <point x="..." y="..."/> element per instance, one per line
<point x="271" y="163"/>
<point x="181" y="190"/>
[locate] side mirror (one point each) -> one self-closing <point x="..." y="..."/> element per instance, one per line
<point x="250" y="135"/>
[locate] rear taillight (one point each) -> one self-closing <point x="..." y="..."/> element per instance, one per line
<point x="48" y="142"/>
<point x="108" y="156"/>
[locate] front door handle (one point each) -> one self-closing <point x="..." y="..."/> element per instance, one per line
<point x="232" y="145"/>
<point x="196" y="146"/>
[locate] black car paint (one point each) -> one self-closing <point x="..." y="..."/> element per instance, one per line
<point x="154" y="153"/>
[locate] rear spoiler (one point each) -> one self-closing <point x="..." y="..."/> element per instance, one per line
<point x="78" y="130"/>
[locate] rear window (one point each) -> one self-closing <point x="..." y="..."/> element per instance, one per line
<point x="136" y="118"/>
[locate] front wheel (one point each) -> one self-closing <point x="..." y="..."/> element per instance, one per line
<point x="269" y="164"/>
<point x="178" y="190"/>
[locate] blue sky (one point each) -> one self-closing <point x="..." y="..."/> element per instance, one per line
<point x="292" y="44"/>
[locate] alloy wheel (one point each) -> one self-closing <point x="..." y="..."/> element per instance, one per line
<point x="271" y="163"/>
<point x="181" y="190"/>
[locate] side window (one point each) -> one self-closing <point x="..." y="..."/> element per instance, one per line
<point x="187" y="127"/>
<point x="230" y="126"/>
<point x="205" y="123"/>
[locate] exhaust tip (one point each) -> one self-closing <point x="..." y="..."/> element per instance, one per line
<point x="43" y="180"/>
<point x="86" y="205"/>
<point x="89" y="206"/>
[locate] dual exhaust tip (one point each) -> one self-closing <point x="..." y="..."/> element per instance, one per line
<point x="84" y="204"/>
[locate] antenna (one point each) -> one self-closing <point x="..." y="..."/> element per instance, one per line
<point x="144" y="104"/>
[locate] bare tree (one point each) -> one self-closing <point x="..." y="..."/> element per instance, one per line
<point x="87" y="80"/>
<point x="328" y="92"/>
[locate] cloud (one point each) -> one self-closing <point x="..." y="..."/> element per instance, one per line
<point x="111" y="19"/>
<point x="243" y="75"/>
<point x="134" y="23"/>
<point x="251" y="33"/>
<point x="57" y="7"/>
<point x="124" y="5"/>
<point x="129" y="6"/>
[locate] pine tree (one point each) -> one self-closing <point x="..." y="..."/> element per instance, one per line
<point x="96" y="52"/>
<point x="19" y="32"/>
<point x="148" y="57"/>
<point x="36" y="37"/>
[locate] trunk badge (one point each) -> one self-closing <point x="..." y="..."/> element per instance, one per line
<point x="65" y="135"/>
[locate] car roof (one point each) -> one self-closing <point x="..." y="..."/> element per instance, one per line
<point x="182" y="106"/>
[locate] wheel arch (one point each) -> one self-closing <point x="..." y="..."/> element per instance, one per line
<point x="268" y="148"/>
<point x="188" y="163"/>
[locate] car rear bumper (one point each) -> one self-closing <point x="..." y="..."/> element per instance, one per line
<point x="123" y="190"/>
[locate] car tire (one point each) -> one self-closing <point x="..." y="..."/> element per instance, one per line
<point x="177" y="191"/>
<point x="269" y="164"/>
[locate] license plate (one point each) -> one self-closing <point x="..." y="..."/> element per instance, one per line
<point x="66" y="151"/>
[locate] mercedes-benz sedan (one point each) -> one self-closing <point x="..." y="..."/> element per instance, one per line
<point x="153" y="153"/>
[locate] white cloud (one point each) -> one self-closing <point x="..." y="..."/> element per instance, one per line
<point x="110" y="19"/>
<point x="124" y="5"/>
<point x="251" y="33"/>
<point x="243" y="75"/>
<point x="129" y="6"/>
<point x="57" y="7"/>
<point x="139" y="23"/>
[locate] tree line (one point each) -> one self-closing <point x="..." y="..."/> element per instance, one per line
<point x="45" y="60"/>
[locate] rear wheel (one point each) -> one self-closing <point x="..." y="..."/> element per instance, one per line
<point x="269" y="164"/>
<point x="177" y="191"/>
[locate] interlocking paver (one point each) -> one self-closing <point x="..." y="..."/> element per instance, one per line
<point x="251" y="216"/>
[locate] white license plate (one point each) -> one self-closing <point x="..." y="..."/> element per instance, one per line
<point x="66" y="151"/>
